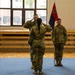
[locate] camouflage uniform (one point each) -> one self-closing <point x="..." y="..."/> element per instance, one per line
<point x="37" y="41"/>
<point x="29" y="25"/>
<point x="59" y="36"/>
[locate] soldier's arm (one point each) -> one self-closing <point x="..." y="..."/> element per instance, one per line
<point x="27" y="24"/>
<point x="48" y="27"/>
<point x="65" y="36"/>
<point x="31" y="37"/>
<point x="53" y="36"/>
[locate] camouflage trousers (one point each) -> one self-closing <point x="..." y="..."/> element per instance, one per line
<point x="58" y="54"/>
<point x="31" y="53"/>
<point x="38" y="57"/>
<point x="37" y="60"/>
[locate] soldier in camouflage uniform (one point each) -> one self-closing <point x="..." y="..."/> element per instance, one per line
<point x="36" y="40"/>
<point x="29" y="24"/>
<point x="59" y="36"/>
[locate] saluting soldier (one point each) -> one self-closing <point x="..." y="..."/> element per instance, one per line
<point x="29" y="24"/>
<point x="36" y="40"/>
<point x="59" y="36"/>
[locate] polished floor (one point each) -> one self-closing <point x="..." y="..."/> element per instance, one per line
<point x="22" y="66"/>
<point x="27" y="55"/>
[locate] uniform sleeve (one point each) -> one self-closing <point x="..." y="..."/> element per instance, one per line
<point x="27" y="24"/>
<point x="31" y="37"/>
<point x="65" y="36"/>
<point x="53" y="33"/>
<point x="48" y="27"/>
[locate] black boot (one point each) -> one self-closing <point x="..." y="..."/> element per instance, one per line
<point x="60" y="64"/>
<point x="40" y="71"/>
<point x="35" y="72"/>
<point x="57" y="63"/>
<point x="32" y="67"/>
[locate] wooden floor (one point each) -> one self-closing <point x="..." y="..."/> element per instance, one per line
<point x="27" y="55"/>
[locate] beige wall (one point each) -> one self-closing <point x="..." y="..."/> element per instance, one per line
<point x="66" y="11"/>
